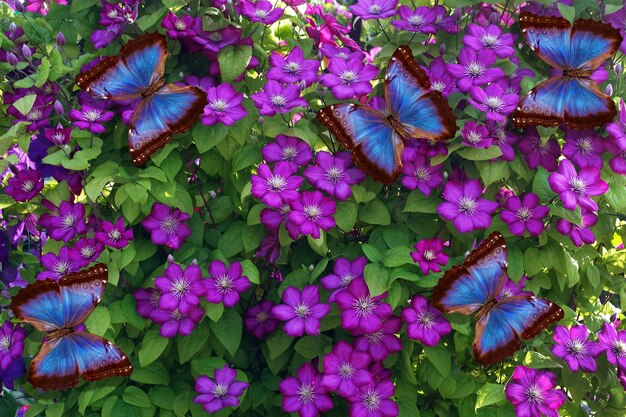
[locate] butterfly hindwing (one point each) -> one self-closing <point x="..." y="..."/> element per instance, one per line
<point x="97" y="358"/>
<point x="81" y="292"/>
<point x="55" y="365"/>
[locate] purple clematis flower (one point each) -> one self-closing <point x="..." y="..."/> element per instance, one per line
<point x="617" y="130"/>
<point x="223" y="106"/>
<point x="573" y="347"/>
<point x="511" y="289"/>
<point x="334" y="174"/>
<point x="312" y="212"/>
<point x="213" y="42"/>
<point x="362" y="313"/>
<point x="225" y="286"/>
<point x="440" y="79"/>
<point x="424" y="322"/>
<point x="524" y="214"/>
<point x="444" y="21"/>
<point x="180" y="27"/>
<point x="277" y="98"/>
<point x="91" y="116"/>
<point x="301" y="311"/>
<point x="494" y="102"/>
<point x="490" y="38"/>
<point x="261" y="11"/>
<point x="11" y="344"/>
<point x="577" y="187"/>
<point x="273" y="218"/>
<point x="56" y="266"/>
<point x="475" y="135"/>
<point x="25" y="185"/>
<point x="617" y="20"/>
<point x="503" y="138"/>
<point x="421" y="19"/>
<point x="464" y="207"/>
<point x="374" y="400"/>
<point x="348" y="79"/>
<point x="289" y="149"/>
<point x="344" y="272"/>
<point x="537" y="153"/>
<point x="613" y="342"/>
<point x="474" y="69"/>
<point x="531" y="393"/>
<point x="147" y="301"/>
<point x="167" y="226"/>
<point x="584" y="148"/>
<point x="114" y="235"/>
<point x="221" y="391"/>
<point x="175" y="322"/>
<point x="383" y="342"/>
<point x="68" y="222"/>
<point x="304" y="394"/>
<point x="180" y="290"/>
<point x="418" y="173"/>
<point x="429" y="254"/>
<point x="293" y="68"/>
<point x="579" y="233"/>
<point x="345" y="370"/>
<point x="618" y="148"/>
<point x="276" y="187"/>
<point x="374" y="9"/>
<point x="86" y="251"/>
<point x="59" y="135"/>
<point x="259" y="320"/>
<point x="7" y="377"/>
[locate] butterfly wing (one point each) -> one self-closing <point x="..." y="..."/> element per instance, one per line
<point x="466" y="288"/>
<point x="97" y="358"/>
<point x="376" y="146"/>
<point x="171" y="109"/>
<point x="55" y="365"/>
<point x="423" y="113"/>
<point x="81" y="292"/>
<point x="498" y="332"/>
<point x="39" y="305"/>
<point x="549" y="37"/>
<point x="139" y="65"/>
<point x="592" y="43"/>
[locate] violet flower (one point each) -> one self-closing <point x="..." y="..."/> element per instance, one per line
<point x="613" y="342"/>
<point x="167" y="226"/>
<point x="68" y="222"/>
<point x="277" y="98"/>
<point x="179" y="27"/>
<point x="362" y="313"/>
<point x="175" y="322"/>
<point x="345" y="370"/>
<point x="301" y="311"/>
<point x="25" y="185"/>
<point x="374" y="9"/>
<point x="312" y="212"/>
<point x="584" y="148"/>
<point x="617" y="130"/>
<point x="334" y="174"/>
<point x="383" y="342"/>
<point x="504" y="138"/>
<point x="511" y="289"/>
<point x="531" y="393"/>
<point x="86" y="251"/>
<point x="261" y="11"/>
<point x="579" y="233"/>
<point x="576" y="188"/>
<point x="537" y="153"/>
<point x="573" y="347"/>
<point x="344" y="272"/>
<point x="524" y="214"/>
<point x="490" y="38"/>
<point x="374" y="400"/>
<point x="272" y="219"/>
<point x="11" y="343"/>
<point x="225" y="285"/>
<point x="289" y="149"/>
<point x="114" y="235"/>
<point x="91" y="117"/>
<point x="180" y="290"/>
<point x="215" y="41"/>
<point x="59" y="135"/>
<point x="147" y="300"/>
<point x="444" y="21"/>
<point x="475" y="135"/>
<point x="421" y="19"/>
<point x="276" y="187"/>
<point x="429" y="254"/>
<point x="417" y="172"/>
<point x="440" y="79"/>
<point x="221" y="391"/>
<point x="304" y="394"/>
<point x="494" y="102"/>
<point x="223" y="105"/>
<point x="57" y="266"/>
<point x="347" y="79"/>
<point x="474" y="69"/>
<point x="259" y="320"/>
<point x="464" y="207"/>
<point x="424" y="322"/>
<point x="617" y="20"/>
<point x="293" y="68"/>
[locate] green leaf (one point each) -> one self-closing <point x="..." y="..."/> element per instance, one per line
<point x="318" y="245"/>
<point x="57" y="67"/>
<point x="162" y="397"/>
<point x="189" y="346"/>
<point x="375" y="212"/>
<point x="79" y="6"/>
<point x="148" y="20"/>
<point x="475" y="154"/>
<point x="377" y="278"/>
<point x="371" y="252"/>
<point x="440" y="358"/>
<point x="135" y="396"/>
<point x="345" y="216"/>
<point x="228" y="330"/>
<point x="572" y="216"/>
<point x="55" y="410"/>
<point x="152" y="346"/>
<point x="541" y="186"/>
<point x="312" y="346"/>
<point x="206" y="137"/>
<point x="233" y="61"/>
<point x="34" y="410"/>
<point x="43" y="72"/>
<point x="155" y="374"/>
<point x="25" y="104"/>
<point x="230" y="243"/>
<point x="98" y="321"/>
<point x="492" y="171"/>
<point x="593" y="276"/>
<point x="400" y="255"/>
<point x="568" y="12"/>
<point x="278" y="342"/>
<point x="489" y="394"/>
<point x="539" y="361"/>
<point x="417" y="202"/>
<point x="8" y="405"/>
<point x="246" y="156"/>
<point x="250" y="271"/>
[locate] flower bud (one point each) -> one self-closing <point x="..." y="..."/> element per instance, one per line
<point x="212" y="194"/>
<point x="494" y="18"/>
<point x="26" y="51"/>
<point x="608" y="90"/>
<point x="60" y="39"/>
<point x="458" y="14"/>
<point x="442" y="49"/>
<point x="301" y="85"/>
<point x="170" y="258"/>
<point x="12" y="58"/>
<point x="618" y="68"/>
<point x="19" y="7"/>
<point x="311" y="268"/>
<point x="12" y="27"/>
<point x="194" y="262"/>
<point x="260" y="120"/>
<point x="58" y="108"/>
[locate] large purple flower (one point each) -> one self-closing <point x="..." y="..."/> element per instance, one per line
<point x="293" y="68"/>
<point x="577" y="187"/>
<point x="617" y="130"/>
<point x="175" y="322"/>
<point x="312" y="212"/>
<point x="167" y="226"/>
<point x="464" y="206"/>
<point x="225" y="285"/>
<point x="180" y="290"/>
<point x="374" y="400"/>
<point x="490" y="38"/>
<point x="579" y="233"/>
<point x="613" y="342"/>
<point x="474" y="69"/>
<point x="91" y="116"/>
<point x="383" y="342"/>
<point x="496" y="103"/>
<point x="440" y="79"/>
<point x="573" y="347"/>
<point x="114" y="235"/>
<point x="86" y="251"/>
<point x="301" y="311"/>
<point x="276" y="187"/>
<point x="524" y="214"/>
<point x="347" y="79"/>
<point x="56" y="266"/>
<point x="259" y="320"/>
<point x="429" y="254"/>
<point x="531" y="393"/>
<point x="214" y="41"/>
<point x="289" y="149"/>
<point x="304" y="394"/>
<point x="362" y="313"/>
<point x="11" y="343"/>
<point x="418" y="173"/>
<point x="584" y="148"/>
<point x="421" y="19"/>
<point x="25" y="185"/>
<point x="475" y="135"/>
<point x="334" y="174"/>
<point x="221" y="391"/>
<point x="223" y="106"/>
<point x="277" y="98"/>
<point x="179" y="27"/>
<point x="345" y="370"/>
<point x="344" y="272"/>
<point x="68" y="222"/>
<point x="424" y="322"/>
<point x="536" y="152"/>
<point x="374" y="9"/>
<point x="261" y="11"/>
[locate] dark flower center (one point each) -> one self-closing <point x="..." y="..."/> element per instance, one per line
<point x="334" y="174"/>
<point x="618" y="348"/>
<point x="169" y="224"/>
<point x="346" y="370"/>
<point x="28" y="186"/>
<point x="524" y="214"/>
<point x="467" y="205"/>
<point x="575" y="347"/>
<point x="364" y="306"/>
<point x="289" y="153"/>
<point x="261" y="317"/>
<point x="375" y="338"/>
<point x="422" y="174"/>
<point x="534" y="394"/>
<point x="584" y="146"/>
<point x="68" y="221"/>
<point x="426" y="319"/>
<point x="346" y="279"/>
<point x="5" y="344"/>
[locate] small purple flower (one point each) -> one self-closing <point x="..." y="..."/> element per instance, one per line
<point x="180" y="290"/>
<point x="223" y="106"/>
<point x="259" y="321"/>
<point x="301" y="311"/>
<point x="261" y="11"/>
<point x="494" y="102"/>
<point x="464" y="207"/>
<point x="221" y="391"/>
<point x="362" y="313"/>
<point x="304" y="394"/>
<point x="147" y="301"/>
<point x="277" y="98"/>
<point x="374" y="9"/>
<point x="524" y="214"/>
<point x="293" y="68"/>
<point x="167" y="226"/>
<point x="383" y="342"/>
<point x="67" y="223"/>
<point x="421" y="19"/>
<point x="531" y="393"/>
<point x="86" y="251"/>
<point x="538" y="153"/>
<point x="475" y="135"/>
<point x="334" y="174"/>
<point x="114" y="235"/>
<point x="429" y="254"/>
<point x="312" y="212"/>
<point x="273" y="218"/>
<point x="474" y="69"/>
<point x="90" y="117"/>
<point x="511" y="289"/>
<point x="617" y="130"/>
<point x="573" y="347"/>
<point x="503" y="138"/>
<point x="444" y="21"/>
<point x="617" y="20"/>
<point x="331" y="51"/>
<point x="613" y="342"/>
<point x="418" y="173"/>
<point x="424" y="322"/>
<point x="584" y="148"/>
<point x="440" y="80"/>
<point x="214" y="41"/>
<point x="289" y="149"/>
<point x="374" y="400"/>
<point x="345" y="370"/>
<point x="175" y="322"/>
<point x="579" y="233"/>
<point x="59" y="135"/>
<point x="348" y="79"/>
<point x="57" y="266"/>
<point x="25" y="185"/>
<point x="276" y="187"/>
<point x="618" y="148"/>
<point x="179" y="27"/>
<point x="37" y="116"/>
<point x="344" y="272"/>
<point x="225" y="285"/>
<point x="11" y="343"/>
<point x="577" y="187"/>
<point x="490" y="38"/>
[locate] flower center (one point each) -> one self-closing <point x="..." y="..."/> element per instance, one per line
<point x="180" y="25"/>
<point x="62" y="267"/>
<point x="5" y="344"/>
<point x="302" y="311"/>
<point x="220" y="391"/>
<point x="374" y="9"/>
<point x="474" y="69"/>
<point x="467" y="205"/>
<point x="426" y="319"/>
<point x="292" y="67"/>
<point x="534" y="394"/>
<point x="490" y="41"/>
<point x="575" y="347"/>
<point x="180" y="287"/>
<point x="112" y="14"/>
<point x="34" y="115"/>
<point x="540" y="147"/>
<point x="219" y="104"/>
<point x="429" y="255"/>
<point x="416" y="20"/>
<point x="278" y="100"/>
<point x="169" y="224"/>
<point x="422" y="173"/>
<point x="28" y="186"/>
<point x="276" y="183"/>
<point x="371" y="400"/>
<point x="114" y="235"/>
<point x="524" y="214"/>
<point x="578" y="186"/>
<point x="346" y="370"/>
<point x="289" y="153"/>
<point x="67" y="222"/>
<point x="364" y="306"/>
<point x="619" y="348"/>
<point x="334" y="174"/>
<point x="92" y="115"/>
<point x="348" y="77"/>
<point x="261" y="317"/>
<point x="306" y="393"/>
<point x="224" y="283"/>
<point x="584" y="146"/>
<point x="375" y="338"/>
<point x="313" y="212"/>
<point x="346" y="279"/>
<point x="494" y="103"/>
<point x="215" y="36"/>
<point x="87" y="252"/>
<point x="438" y="86"/>
<point x="474" y="137"/>
<point x="261" y="14"/>
<point x="58" y="137"/>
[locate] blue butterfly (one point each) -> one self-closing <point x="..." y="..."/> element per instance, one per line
<point x="413" y="111"/>
<point x="570" y="96"/>
<point x="59" y="309"/>
<point x="474" y="288"/>
<point x="137" y="74"/>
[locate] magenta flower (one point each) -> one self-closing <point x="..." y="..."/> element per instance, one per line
<point x="573" y="347"/>
<point x="494" y="102"/>
<point x="579" y="233"/>
<point x="475" y="135"/>
<point x="68" y="222"/>
<point x="424" y="322"/>
<point x="312" y="212"/>
<point x="86" y="251"/>
<point x="473" y="69"/>
<point x="25" y="185"/>
<point x="293" y="68"/>
<point x="347" y="79"/>
<point x="289" y="149"/>
<point x="464" y="207"/>
<point x="223" y="106"/>
<point x="175" y="322"/>
<point x="374" y="9"/>
<point x="503" y="138"/>
<point x="617" y="130"/>
<point x="167" y="226"/>
<point x="440" y="80"/>
<point x="59" y="135"/>
<point x="37" y="116"/>
<point x="538" y="153"/>
<point x="11" y="343"/>
<point x="362" y="313"/>
<point x="421" y="19"/>
<point x="617" y="20"/>
<point x="531" y="393"/>
<point x="618" y="148"/>
<point x="213" y="42"/>
<point x="613" y="342"/>
<point x="374" y="400"/>
<point x="344" y="272"/>
<point x="147" y="301"/>
<point x="180" y="290"/>
<point x="273" y="218"/>
<point x="524" y="214"/>
<point x="429" y="254"/>
<point x="90" y="117"/>
<point x="259" y="321"/>
<point x="221" y="391"/>
<point x="56" y="266"/>
<point x="301" y="311"/>
<point x="225" y="285"/>
<point x="277" y="98"/>
<point x="444" y="21"/>
<point x="331" y="51"/>
<point x="261" y="11"/>
<point x="584" y="148"/>
<point x="304" y="394"/>
<point x="179" y="27"/>
<point x="577" y="187"/>
<point x="334" y="174"/>
<point x="276" y="187"/>
<point x="511" y="289"/>
<point x="418" y="173"/>
<point x="383" y="342"/>
<point x="114" y="235"/>
<point x="345" y="370"/>
<point x="490" y="38"/>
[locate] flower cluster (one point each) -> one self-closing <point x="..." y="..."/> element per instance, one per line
<point x="11" y="349"/>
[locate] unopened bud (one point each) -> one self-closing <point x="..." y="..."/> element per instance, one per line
<point x="12" y="58"/>
<point x="494" y="18"/>
<point x="26" y="51"/>
<point x="194" y="262"/>
<point x="170" y="259"/>
<point x="260" y="120"/>
<point x="19" y="7"/>
<point x="67" y="148"/>
<point x="458" y="14"/>
<point x="12" y="27"/>
<point x="213" y="194"/>
<point x="608" y="90"/>
<point x="301" y="85"/>
<point x="618" y="68"/>
<point x="311" y="268"/>
<point x="442" y="49"/>
<point x="613" y="317"/>
<point x="60" y="39"/>
<point x="58" y="108"/>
